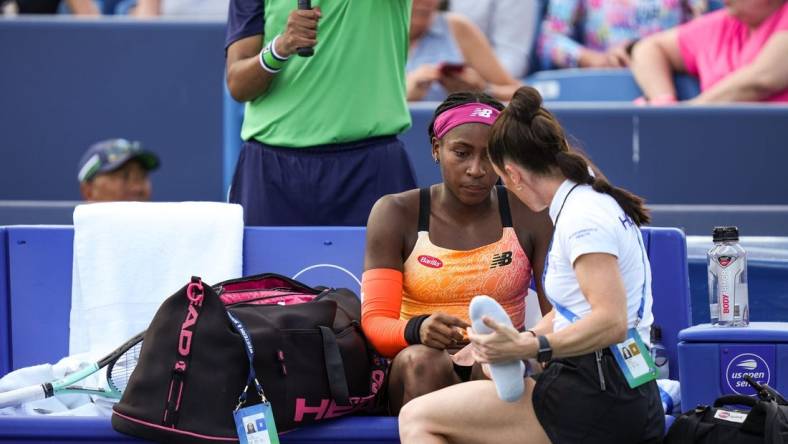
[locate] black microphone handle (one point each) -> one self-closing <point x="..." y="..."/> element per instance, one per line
<point x="305" y="52"/>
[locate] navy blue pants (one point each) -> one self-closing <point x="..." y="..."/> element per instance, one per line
<point x="322" y="185"/>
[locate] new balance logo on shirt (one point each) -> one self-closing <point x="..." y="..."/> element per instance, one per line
<point x="501" y="259"/>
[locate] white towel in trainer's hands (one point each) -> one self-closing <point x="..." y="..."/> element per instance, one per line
<point x="130" y="256"/>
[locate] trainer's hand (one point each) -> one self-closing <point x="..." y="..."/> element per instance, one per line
<point x="300" y="31"/>
<point x="442" y="331"/>
<point x="502" y="345"/>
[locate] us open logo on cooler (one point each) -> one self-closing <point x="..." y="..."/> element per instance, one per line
<point x="429" y="261"/>
<point x="746" y="364"/>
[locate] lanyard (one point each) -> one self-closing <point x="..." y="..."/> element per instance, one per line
<point x="567" y="313"/>
<point x="249" y="348"/>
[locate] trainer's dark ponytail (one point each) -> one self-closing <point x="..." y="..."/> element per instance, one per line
<point x="529" y="135"/>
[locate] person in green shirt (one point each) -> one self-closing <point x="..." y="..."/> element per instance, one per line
<point x="320" y="132"/>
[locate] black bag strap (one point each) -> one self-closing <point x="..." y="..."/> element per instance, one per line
<point x="335" y="368"/>
<point x="195" y="293"/>
<point x="734" y="400"/>
<point x="685" y="429"/>
<point x="776" y="424"/>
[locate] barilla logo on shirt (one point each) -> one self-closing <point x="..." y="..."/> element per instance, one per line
<point x="724" y="261"/>
<point x="429" y="261"/>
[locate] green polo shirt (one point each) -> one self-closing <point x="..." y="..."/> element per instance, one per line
<point x="353" y="88"/>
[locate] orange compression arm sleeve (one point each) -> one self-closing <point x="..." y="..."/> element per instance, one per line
<point x="381" y="293"/>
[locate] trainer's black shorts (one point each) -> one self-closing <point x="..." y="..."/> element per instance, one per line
<point x="572" y="407"/>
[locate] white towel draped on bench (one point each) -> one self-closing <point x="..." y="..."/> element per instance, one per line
<point x="130" y="256"/>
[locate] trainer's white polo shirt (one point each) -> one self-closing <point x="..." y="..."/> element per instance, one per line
<point x="593" y="222"/>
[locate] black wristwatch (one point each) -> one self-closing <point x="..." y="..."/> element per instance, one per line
<point x="545" y="351"/>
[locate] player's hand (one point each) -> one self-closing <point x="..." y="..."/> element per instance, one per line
<point x="300" y="31"/>
<point x="442" y="331"/>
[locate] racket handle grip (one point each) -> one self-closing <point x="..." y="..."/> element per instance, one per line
<point x="22" y="395"/>
<point x="305" y="52"/>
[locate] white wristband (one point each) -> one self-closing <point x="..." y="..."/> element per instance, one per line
<point x="273" y="49"/>
<point x="262" y="63"/>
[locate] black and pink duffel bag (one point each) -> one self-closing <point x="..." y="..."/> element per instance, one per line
<point x="311" y="358"/>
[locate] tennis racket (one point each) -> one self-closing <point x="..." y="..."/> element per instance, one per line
<point x="305" y="52"/>
<point x="119" y="364"/>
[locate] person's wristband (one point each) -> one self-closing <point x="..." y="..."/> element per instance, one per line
<point x="270" y="60"/>
<point x="545" y="351"/>
<point x="413" y="329"/>
<point x="276" y="54"/>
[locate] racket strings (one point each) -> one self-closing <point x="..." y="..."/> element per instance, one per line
<point x="120" y="371"/>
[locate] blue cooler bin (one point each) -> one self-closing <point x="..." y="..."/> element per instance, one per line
<point x="714" y="360"/>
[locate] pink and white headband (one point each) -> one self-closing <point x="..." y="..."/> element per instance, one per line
<point x="467" y="113"/>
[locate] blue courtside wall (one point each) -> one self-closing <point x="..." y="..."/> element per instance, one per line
<point x="606" y="84"/>
<point x="40" y="264"/>
<point x="162" y="82"/>
<point x="5" y="327"/>
<point x="39" y="270"/>
<point x="667" y="253"/>
<point x="314" y="255"/>
<point x="66" y="83"/>
<point x="669" y="155"/>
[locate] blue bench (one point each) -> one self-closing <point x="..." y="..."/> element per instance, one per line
<point x="38" y="274"/>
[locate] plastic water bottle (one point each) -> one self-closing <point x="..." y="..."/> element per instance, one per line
<point x="727" y="261"/>
<point x="714" y="308"/>
<point x="658" y="353"/>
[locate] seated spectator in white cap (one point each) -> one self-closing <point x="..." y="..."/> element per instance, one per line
<point x="116" y="170"/>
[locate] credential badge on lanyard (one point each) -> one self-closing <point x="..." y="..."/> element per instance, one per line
<point x="632" y="356"/>
<point x="254" y="423"/>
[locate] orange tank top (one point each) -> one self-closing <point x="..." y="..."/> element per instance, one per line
<point x="440" y="279"/>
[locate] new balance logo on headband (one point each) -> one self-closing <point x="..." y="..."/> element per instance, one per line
<point x="501" y="259"/>
<point x="481" y="112"/>
<point x="474" y="112"/>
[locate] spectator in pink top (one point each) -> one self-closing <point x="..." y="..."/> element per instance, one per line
<point x="739" y="53"/>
